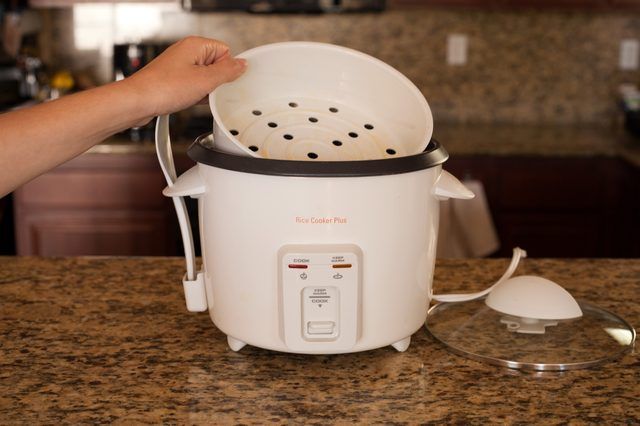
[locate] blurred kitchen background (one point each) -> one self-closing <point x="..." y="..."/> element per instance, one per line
<point x="535" y="100"/>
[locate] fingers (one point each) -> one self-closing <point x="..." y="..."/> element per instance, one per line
<point x="185" y="73"/>
<point x="223" y="71"/>
<point x="218" y="50"/>
<point x="205" y="51"/>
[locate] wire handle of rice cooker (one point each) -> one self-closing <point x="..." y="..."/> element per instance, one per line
<point x="193" y="282"/>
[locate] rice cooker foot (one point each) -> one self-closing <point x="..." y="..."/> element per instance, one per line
<point x="402" y="345"/>
<point x="235" y="344"/>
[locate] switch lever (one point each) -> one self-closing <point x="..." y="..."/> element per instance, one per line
<point x="320" y="327"/>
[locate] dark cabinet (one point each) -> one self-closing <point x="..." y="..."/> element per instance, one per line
<point x="112" y="204"/>
<point x="626" y="3"/>
<point x="560" y="234"/>
<point x="71" y="232"/>
<point x="96" y="204"/>
<point x="595" y="5"/>
<point x="560" y="207"/>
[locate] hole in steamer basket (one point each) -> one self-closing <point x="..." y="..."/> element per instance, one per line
<point x="293" y="104"/>
<point x="234" y="132"/>
<point x="272" y="124"/>
<point x="253" y="148"/>
<point x="333" y="109"/>
<point x="368" y="126"/>
<point x="391" y="151"/>
<point x="288" y="137"/>
<point x="256" y="112"/>
<point x="312" y="155"/>
<point x="353" y="134"/>
<point x="313" y="119"/>
<point x="337" y="143"/>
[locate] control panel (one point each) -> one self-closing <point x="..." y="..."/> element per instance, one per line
<point x="320" y="296"/>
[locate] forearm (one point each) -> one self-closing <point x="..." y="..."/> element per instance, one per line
<point x="37" y="139"/>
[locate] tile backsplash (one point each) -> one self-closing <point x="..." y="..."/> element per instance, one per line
<point x="523" y="67"/>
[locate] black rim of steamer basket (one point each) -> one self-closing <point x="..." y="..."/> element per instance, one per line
<point x="433" y="155"/>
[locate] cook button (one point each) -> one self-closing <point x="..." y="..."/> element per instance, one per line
<point x="320" y="327"/>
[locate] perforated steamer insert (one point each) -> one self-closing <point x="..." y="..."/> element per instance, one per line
<point x="313" y="101"/>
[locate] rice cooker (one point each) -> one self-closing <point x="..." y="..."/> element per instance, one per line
<point x="311" y="246"/>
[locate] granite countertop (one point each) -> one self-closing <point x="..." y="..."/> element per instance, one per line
<point x="121" y="145"/>
<point x="483" y="139"/>
<point x="532" y="140"/>
<point x="97" y="340"/>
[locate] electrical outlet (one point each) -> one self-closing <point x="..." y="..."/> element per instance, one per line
<point x="629" y="54"/>
<point x="457" y="47"/>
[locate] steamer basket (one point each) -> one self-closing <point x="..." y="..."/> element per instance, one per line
<point x="319" y="102"/>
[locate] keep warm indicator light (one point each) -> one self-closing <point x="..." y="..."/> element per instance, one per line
<point x="342" y="265"/>
<point x="298" y="266"/>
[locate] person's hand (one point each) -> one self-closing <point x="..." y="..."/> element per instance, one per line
<point x="184" y="74"/>
<point x="39" y="138"/>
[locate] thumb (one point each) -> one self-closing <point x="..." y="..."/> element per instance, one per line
<point x="223" y="71"/>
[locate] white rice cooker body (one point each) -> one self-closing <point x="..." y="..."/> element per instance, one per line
<point x="275" y="247"/>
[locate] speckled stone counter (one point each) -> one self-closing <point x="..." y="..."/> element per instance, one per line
<point x="538" y="140"/>
<point x="103" y="340"/>
<point x="121" y="145"/>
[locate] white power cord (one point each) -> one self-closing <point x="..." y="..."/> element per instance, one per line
<point x="518" y="253"/>
<point x="165" y="157"/>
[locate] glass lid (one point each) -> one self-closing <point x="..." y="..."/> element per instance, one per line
<point x="474" y="330"/>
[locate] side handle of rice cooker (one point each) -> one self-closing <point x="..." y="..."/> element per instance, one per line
<point x="188" y="184"/>
<point x="448" y="186"/>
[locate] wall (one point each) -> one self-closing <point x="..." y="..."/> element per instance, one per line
<point x="524" y="67"/>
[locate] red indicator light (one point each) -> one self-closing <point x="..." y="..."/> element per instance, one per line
<point x="342" y="265"/>
<point x="298" y="266"/>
